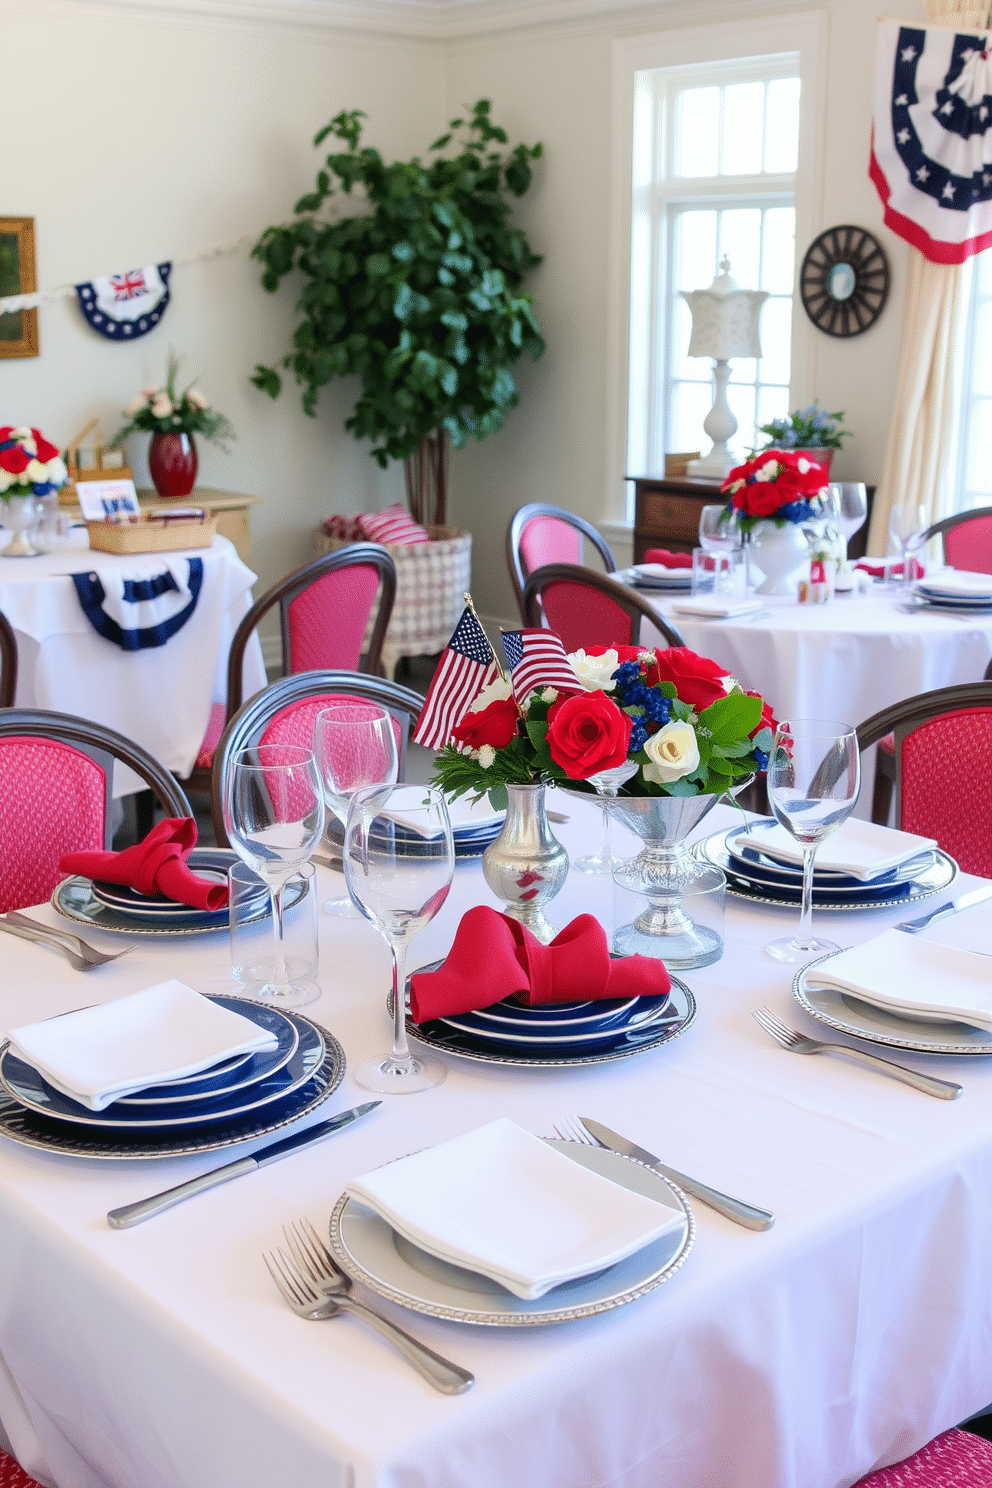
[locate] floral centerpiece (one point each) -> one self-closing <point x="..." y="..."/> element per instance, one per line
<point x="681" y="718"/>
<point x="805" y="429"/>
<point x="172" y="418"/>
<point x="771" y="495"/>
<point x="30" y="468"/>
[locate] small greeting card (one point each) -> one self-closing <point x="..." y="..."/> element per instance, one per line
<point x="100" y="499"/>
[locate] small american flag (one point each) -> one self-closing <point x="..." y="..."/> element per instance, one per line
<point x="537" y="659"/>
<point x="465" y="668"/>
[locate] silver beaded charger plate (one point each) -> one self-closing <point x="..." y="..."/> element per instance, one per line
<point x="31" y="1130"/>
<point x="672" y="1019"/>
<point x="74" y="899"/>
<point x="373" y="1253"/>
<point x="845" y="1013"/>
<point x="938" y="875"/>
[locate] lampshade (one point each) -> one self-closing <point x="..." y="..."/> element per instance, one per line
<point x="724" y="318"/>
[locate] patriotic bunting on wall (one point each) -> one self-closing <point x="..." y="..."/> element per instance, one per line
<point x="931" y="158"/>
<point x="126" y="306"/>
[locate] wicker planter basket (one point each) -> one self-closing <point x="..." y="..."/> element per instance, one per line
<point x="431" y="578"/>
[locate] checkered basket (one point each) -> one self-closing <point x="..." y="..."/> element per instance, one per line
<point x="431" y="578"/>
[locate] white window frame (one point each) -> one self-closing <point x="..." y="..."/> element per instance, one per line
<point x="763" y="37"/>
<point x="966" y="499"/>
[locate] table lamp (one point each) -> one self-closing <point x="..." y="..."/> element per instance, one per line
<point x="724" y="325"/>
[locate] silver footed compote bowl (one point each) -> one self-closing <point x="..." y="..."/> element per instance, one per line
<point x="663" y="872"/>
<point x="607" y="783"/>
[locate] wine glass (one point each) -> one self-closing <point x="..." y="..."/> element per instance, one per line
<point x="719" y="531"/>
<point x="354" y="744"/>
<point x="848" y="507"/>
<point x="274" y="817"/>
<point x="905" y="525"/>
<point x="399" y="858"/>
<point x="814" y="773"/>
<point x="607" y="783"/>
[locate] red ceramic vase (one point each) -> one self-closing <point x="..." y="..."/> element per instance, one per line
<point x="173" y="464"/>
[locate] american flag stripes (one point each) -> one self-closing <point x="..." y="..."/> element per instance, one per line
<point x="466" y="667"/>
<point x="537" y="659"/>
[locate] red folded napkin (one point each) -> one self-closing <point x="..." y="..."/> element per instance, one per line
<point x="494" y="956"/>
<point x="878" y="567"/>
<point x="670" y="560"/>
<point x="155" y="866"/>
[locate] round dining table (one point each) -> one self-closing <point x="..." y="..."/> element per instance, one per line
<point x="841" y="1339"/>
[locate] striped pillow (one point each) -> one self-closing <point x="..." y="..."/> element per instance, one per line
<point x="393" y="525"/>
<point x="344" y="528"/>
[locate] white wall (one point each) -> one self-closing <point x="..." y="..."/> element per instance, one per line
<point x="146" y="139"/>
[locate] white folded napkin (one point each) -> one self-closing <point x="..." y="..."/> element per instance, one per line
<point x="500" y="1202"/>
<point x="662" y="571"/>
<point x="919" y="978"/>
<point x="720" y="609"/>
<point x="467" y="816"/>
<point x="100" y="1053"/>
<point x="957" y="583"/>
<point x="859" y="849"/>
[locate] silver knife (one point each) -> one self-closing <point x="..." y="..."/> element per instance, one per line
<point x="975" y="896"/>
<point x="747" y="1215"/>
<point x="132" y="1214"/>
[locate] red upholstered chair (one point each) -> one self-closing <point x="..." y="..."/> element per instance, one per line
<point x="885" y="772"/>
<point x="8" y="663"/>
<point x="943" y="768"/>
<point x="589" y="609"/>
<point x="324" y="608"/>
<point x="12" y="1475"/>
<point x="539" y="534"/>
<point x="284" y="713"/>
<point x="966" y="538"/>
<point x="56" y="775"/>
<point x="955" y="1459"/>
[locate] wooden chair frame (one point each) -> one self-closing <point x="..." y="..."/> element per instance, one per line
<point x="901" y="719"/>
<point x="514" y="532"/>
<point x="102" y="745"/>
<point x="636" y="608"/>
<point x="8" y="663"/>
<point x="947" y="524"/>
<point x="247" y="725"/>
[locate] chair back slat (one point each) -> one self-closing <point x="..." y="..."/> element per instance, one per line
<point x="549" y="540"/>
<point x="966" y="539"/>
<point x="936" y="799"/>
<point x="324" y="624"/>
<point x="540" y="534"/>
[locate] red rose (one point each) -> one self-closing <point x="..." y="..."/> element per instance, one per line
<point x="46" y="450"/>
<point x="698" y="681"/>
<point x="6" y="431"/>
<point x="495" y="725"/>
<point x="587" y="733"/>
<point x="15" y="460"/>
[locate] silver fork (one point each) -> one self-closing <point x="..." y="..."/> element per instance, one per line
<point x="798" y="1043"/>
<point x="315" y="1288"/>
<point x="73" y="943"/>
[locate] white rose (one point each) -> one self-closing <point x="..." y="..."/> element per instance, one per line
<point x="595" y="672"/>
<point x="548" y="695"/>
<point x="36" y="471"/>
<point x="494" y="692"/>
<point x="136" y="404"/>
<point x="161" y="405"/>
<point x="6" y="480"/>
<point x="768" y="472"/>
<point x="486" y="756"/>
<point x="56" y="471"/>
<point x="194" y="396"/>
<point x="673" y="752"/>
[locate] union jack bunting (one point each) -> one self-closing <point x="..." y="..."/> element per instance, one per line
<point x="537" y="658"/>
<point x="467" y="665"/>
<point x="931" y="155"/>
<point x="123" y="307"/>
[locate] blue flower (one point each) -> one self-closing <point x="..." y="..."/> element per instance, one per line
<point x="761" y="759"/>
<point x="638" y="735"/>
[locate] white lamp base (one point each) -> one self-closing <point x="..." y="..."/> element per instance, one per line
<point x="721" y="426"/>
<point x="717" y="465"/>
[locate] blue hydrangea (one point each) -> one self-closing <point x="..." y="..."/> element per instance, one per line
<point x="761" y="758"/>
<point x="796" y="511"/>
<point x="657" y="707"/>
<point x="638" y="735"/>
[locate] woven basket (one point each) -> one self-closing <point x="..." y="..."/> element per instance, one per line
<point x="151" y="537"/>
<point x="431" y="578"/>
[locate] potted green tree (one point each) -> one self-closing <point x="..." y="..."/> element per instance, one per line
<point x="417" y="296"/>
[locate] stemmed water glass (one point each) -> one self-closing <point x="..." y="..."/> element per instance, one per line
<point x="354" y="744"/>
<point x="814" y="773"/>
<point x="274" y="817"/>
<point x="847" y="504"/>
<point x="718" y="530"/>
<point x="905" y="525"/>
<point x="399" y="858"/>
<point x="607" y="783"/>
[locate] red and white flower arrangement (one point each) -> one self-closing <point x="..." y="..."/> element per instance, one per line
<point x="777" y="485"/>
<point x="30" y="465"/>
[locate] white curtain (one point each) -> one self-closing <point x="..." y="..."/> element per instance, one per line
<point x="920" y="454"/>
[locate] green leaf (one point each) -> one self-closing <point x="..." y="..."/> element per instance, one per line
<point x="731" y="718"/>
<point x="268" y="379"/>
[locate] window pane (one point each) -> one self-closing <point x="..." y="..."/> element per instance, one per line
<point x="697" y="147"/>
<point x="778" y="257"/>
<point x="983" y="273"/>
<point x="740" y="240"/>
<point x="691" y="402"/>
<point x="979" y="469"/>
<point x="743" y="115"/>
<point x="776" y="339"/>
<point x="741" y="400"/>
<point x="773" y="403"/>
<point x="981" y="369"/>
<point x="782" y="125"/>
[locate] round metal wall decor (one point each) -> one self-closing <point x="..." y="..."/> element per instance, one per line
<point x="844" y="281"/>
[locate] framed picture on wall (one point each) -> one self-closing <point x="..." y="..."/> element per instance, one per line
<point x="18" y="328"/>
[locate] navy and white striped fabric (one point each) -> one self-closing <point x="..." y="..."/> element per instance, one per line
<point x="143" y="607"/>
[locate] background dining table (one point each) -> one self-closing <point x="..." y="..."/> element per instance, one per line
<point x="160" y="696"/>
<point x="843" y="1338"/>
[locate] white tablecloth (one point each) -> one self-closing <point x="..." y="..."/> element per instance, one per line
<point x="845" y="659"/>
<point x="160" y="697"/>
<point x="844" y="1338"/>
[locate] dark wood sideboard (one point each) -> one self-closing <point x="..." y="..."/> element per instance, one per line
<point x="667" y="511"/>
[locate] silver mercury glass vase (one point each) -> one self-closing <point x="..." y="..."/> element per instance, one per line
<point x="526" y="865"/>
<point x="663" y="871"/>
